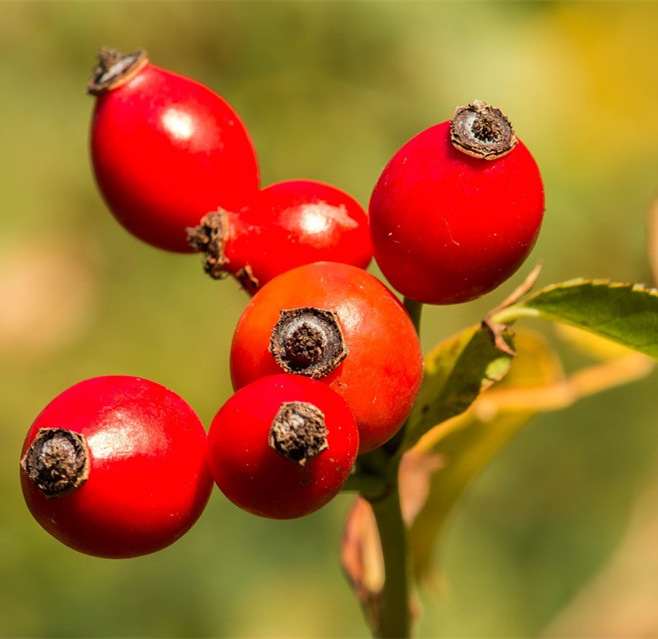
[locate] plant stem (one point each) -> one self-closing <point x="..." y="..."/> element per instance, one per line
<point x="394" y="604"/>
<point x="512" y="313"/>
<point x="366" y="484"/>
<point x="415" y="310"/>
<point x="376" y="480"/>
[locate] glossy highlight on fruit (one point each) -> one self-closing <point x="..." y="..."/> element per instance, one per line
<point x="283" y="446"/>
<point x="377" y="370"/>
<point x="116" y="466"/>
<point x="457" y="209"/>
<point x="165" y="149"/>
<point x="287" y="224"/>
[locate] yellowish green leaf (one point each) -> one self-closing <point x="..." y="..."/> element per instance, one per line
<point x="456" y="372"/>
<point x="455" y="451"/>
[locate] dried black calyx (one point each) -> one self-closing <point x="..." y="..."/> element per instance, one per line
<point x="114" y="68"/>
<point x="298" y="432"/>
<point x="57" y="461"/>
<point x="482" y="131"/>
<point x="308" y="341"/>
<point x="209" y="238"/>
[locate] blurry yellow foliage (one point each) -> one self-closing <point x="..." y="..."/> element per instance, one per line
<point x="611" y="51"/>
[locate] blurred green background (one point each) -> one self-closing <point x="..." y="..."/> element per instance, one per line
<point x="328" y="90"/>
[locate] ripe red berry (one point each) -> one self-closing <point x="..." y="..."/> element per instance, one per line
<point x="285" y="225"/>
<point x="282" y="446"/>
<point x="116" y="466"/>
<point x="339" y="324"/>
<point x="457" y="209"/>
<point x="165" y="149"/>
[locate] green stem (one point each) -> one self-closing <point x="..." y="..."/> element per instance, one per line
<point x="394" y="619"/>
<point x="512" y="313"/>
<point x="376" y="479"/>
<point x="369" y="486"/>
<point x="415" y="310"/>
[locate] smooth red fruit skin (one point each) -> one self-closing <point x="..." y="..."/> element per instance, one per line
<point x="447" y="227"/>
<point x="257" y="478"/>
<point x="380" y="376"/>
<point x="149" y="479"/>
<point x="166" y="150"/>
<point x="297" y="222"/>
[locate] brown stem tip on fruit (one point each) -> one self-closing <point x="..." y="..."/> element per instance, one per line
<point x="482" y="131"/>
<point x="57" y="461"/>
<point x="114" y="69"/>
<point x="308" y="341"/>
<point x="247" y="279"/>
<point x="209" y="238"/>
<point x="298" y="432"/>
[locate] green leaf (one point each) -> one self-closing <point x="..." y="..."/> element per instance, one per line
<point x="624" y="313"/>
<point x="456" y="372"/>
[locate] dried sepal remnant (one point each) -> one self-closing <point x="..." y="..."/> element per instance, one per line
<point x="482" y="131"/>
<point x="298" y="432"/>
<point x="57" y="462"/>
<point x="247" y="279"/>
<point x="209" y="238"/>
<point x="114" y="69"/>
<point x="308" y="341"/>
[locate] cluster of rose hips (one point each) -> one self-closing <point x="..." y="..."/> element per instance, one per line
<point x="325" y="360"/>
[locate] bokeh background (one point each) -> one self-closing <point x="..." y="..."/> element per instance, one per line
<point x="329" y="90"/>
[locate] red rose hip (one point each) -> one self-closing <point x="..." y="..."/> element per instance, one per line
<point x="339" y="324"/>
<point x="283" y="446"/>
<point x="285" y="225"/>
<point x="165" y="149"/>
<point x="457" y="209"/>
<point x="116" y="466"/>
